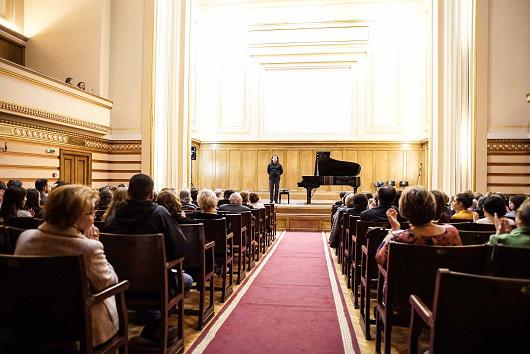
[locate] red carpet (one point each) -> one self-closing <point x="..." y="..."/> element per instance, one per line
<point x="286" y="307"/>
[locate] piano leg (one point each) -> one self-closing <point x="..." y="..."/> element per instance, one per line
<point x="308" y="190"/>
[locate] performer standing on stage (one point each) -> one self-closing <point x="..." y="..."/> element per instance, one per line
<point x="274" y="170"/>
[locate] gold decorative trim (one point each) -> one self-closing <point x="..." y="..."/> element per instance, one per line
<point x="509" y="145"/>
<point x="33" y="132"/>
<point x="106" y="102"/>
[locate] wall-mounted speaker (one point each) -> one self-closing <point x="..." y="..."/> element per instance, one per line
<point x="194" y="153"/>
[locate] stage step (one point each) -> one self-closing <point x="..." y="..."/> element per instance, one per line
<point x="299" y="217"/>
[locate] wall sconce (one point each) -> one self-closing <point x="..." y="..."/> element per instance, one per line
<point x="4" y="149"/>
<point x="403" y="184"/>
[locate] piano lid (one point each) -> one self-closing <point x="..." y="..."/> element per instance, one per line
<point x="326" y="166"/>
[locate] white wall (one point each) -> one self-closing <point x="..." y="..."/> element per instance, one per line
<point x="509" y="69"/>
<point x="329" y="72"/>
<point x="70" y="38"/>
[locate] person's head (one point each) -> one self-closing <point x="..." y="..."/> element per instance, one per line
<point x="244" y="197"/>
<point x="235" y="198"/>
<point x="185" y="196"/>
<point x="348" y="200"/>
<point x="386" y="195"/>
<point x="14" y="183"/>
<point x="69" y="80"/>
<point x="227" y="193"/>
<point x="105" y="197"/>
<point x="58" y="184"/>
<point x="14" y="200"/>
<point x="32" y="199"/>
<point x="42" y="185"/>
<point x="118" y="196"/>
<point x="141" y="187"/>
<point x="3" y="188"/>
<point x="463" y="201"/>
<point x="81" y="85"/>
<point x="207" y="200"/>
<point x="369" y="195"/>
<point x="342" y="195"/>
<point x="218" y="193"/>
<point x="360" y="201"/>
<point x="275" y="159"/>
<point x="522" y="214"/>
<point x="254" y="197"/>
<point x="121" y="185"/>
<point x="193" y="193"/>
<point x="170" y="201"/>
<point x="515" y="201"/>
<point x="441" y="200"/>
<point x="71" y="205"/>
<point x="417" y="205"/>
<point x="397" y="197"/>
<point x="494" y="204"/>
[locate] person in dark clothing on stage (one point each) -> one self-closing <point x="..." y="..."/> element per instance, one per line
<point x="274" y="170"/>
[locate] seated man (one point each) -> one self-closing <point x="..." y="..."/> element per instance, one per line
<point x="185" y="200"/>
<point x="386" y="195"/>
<point x="140" y="215"/>
<point x="519" y="237"/>
<point x="226" y="195"/>
<point x="235" y="205"/>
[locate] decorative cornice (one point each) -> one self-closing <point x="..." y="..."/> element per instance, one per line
<point x="509" y="145"/>
<point x="53" y="136"/>
<point x="16" y="108"/>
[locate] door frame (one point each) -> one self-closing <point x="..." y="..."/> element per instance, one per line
<point x="63" y="152"/>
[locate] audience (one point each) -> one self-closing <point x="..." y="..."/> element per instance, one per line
<point x="3" y="188"/>
<point x="443" y="212"/>
<point x="207" y="202"/>
<point x="354" y="204"/>
<point x="419" y="207"/>
<point x="255" y="201"/>
<point x="185" y="200"/>
<point x="169" y="200"/>
<point x="71" y="233"/>
<point x="105" y="198"/>
<point x="514" y="202"/>
<point x="139" y="215"/>
<point x="461" y="204"/>
<point x="235" y="205"/>
<point x="194" y="193"/>
<point x="226" y="197"/>
<point x="14" y="183"/>
<point x="386" y="195"/>
<point x="33" y="203"/>
<point x="519" y="237"/>
<point x="119" y="196"/>
<point x="245" y="198"/>
<point x="342" y="195"/>
<point x="43" y="187"/>
<point x="13" y="204"/>
<point x="493" y="205"/>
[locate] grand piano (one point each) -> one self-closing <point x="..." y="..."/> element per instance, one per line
<point x="331" y="172"/>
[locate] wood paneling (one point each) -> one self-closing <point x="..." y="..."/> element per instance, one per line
<point x="508" y="167"/>
<point x="242" y="165"/>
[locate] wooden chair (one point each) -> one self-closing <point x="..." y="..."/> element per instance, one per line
<point x="246" y="221"/>
<point x="99" y="214"/>
<point x="199" y="262"/>
<point x="216" y="230"/>
<point x="240" y="242"/>
<point x="268" y="231"/>
<point x="369" y="275"/>
<point x="272" y="219"/>
<point x="403" y="278"/>
<point x="473" y="226"/>
<point x="358" y="240"/>
<point x="458" y="221"/>
<point x="259" y="247"/>
<point x="509" y="262"/>
<point x="47" y="300"/>
<point x="475" y="237"/>
<point x="142" y="260"/>
<point x="350" y="222"/>
<point x="334" y="208"/>
<point x="263" y="225"/>
<point x="473" y="314"/>
<point x="25" y="223"/>
<point x="8" y="239"/>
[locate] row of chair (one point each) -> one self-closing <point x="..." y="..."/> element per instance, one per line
<point x="356" y="250"/>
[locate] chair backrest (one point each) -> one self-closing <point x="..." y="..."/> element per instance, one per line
<point x="374" y="237"/>
<point x="246" y="220"/>
<point x="411" y="269"/>
<point x="8" y="239"/>
<point x="473" y="226"/>
<point x="141" y="259"/>
<point x="215" y="230"/>
<point x="195" y="241"/>
<point x="235" y="223"/>
<point x="459" y="221"/>
<point x="475" y="237"/>
<point x="510" y="262"/>
<point x="43" y="298"/>
<point x="480" y="314"/>
<point x="25" y="223"/>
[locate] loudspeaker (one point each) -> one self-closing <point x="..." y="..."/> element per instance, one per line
<point x="193" y="153"/>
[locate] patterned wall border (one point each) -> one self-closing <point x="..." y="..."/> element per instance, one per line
<point x="16" y="108"/>
<point x="509" y="146"/>
<point x="53" y="136"/>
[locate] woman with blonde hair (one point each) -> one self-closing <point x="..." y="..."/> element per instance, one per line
<point x="418" y="206"/>
<point x="207" y="203"/>
<point x="169" y="200"/>
<point x="68" y="230"/>
<point x="119" y="196"/>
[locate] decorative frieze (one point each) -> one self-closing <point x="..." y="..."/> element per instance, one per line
<point x="509" y="145"/>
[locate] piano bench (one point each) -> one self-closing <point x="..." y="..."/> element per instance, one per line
<point x="285" y="192"/>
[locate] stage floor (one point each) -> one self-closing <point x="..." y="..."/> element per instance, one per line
<point x="297" y="216"/>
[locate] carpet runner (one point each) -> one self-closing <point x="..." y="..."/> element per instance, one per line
<point x="292" y="303"/>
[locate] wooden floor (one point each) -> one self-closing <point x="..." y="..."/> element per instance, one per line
<point x="399" y="335"/>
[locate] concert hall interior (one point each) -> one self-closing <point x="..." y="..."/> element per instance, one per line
<point x="172" y="105"/>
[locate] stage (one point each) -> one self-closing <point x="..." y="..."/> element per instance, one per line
<point x="297" y="216"/>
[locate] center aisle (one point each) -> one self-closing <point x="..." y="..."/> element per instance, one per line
<point x="291" y="304"/>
